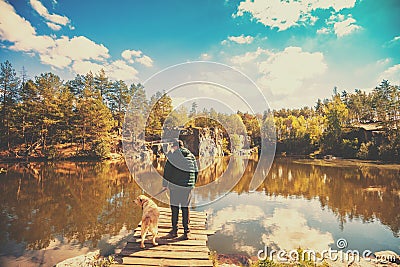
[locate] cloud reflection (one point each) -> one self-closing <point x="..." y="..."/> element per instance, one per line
<point x="240" y="213"/>
<point x="288" y="229"/>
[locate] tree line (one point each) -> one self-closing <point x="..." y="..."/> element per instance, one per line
<point x="351" y="125"/>
<point x="87" y="113"/>
<point x="46" y="112"/>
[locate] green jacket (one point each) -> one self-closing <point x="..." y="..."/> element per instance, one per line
<point x="180" y="170"/>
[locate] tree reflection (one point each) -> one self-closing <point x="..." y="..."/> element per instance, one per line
<point x="84" y="201"/>
<point x="363" y="192"/>
<point x="76" y="201"/>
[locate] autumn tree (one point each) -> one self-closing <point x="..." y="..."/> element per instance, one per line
<point x="336" y="114"/>
<point x="160" y="107"/>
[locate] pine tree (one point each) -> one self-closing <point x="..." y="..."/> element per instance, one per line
<point x="93" y="119"/>
<point x="29" y="113"/>
<point x="119" y="100"/>
<point x="136" y="113"/>
<point x="102" y="84"/>
<point x="50" y="113"/>
<point x="9" y="85"/>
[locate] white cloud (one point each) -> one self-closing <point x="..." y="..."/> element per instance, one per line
<point x="119" y="70"/>
<point x="241" y="39"/>
<point x="205" y="56"/>
<point x="393" y="42"/>
<point x="383" y="61"/>
<point x="391" y="74"/>
<point x="55" y="60"/>
<point x="345" y="27"/>
<point x="249" y="56"/>
<point x="54" y="21"/>
<point x="289" y="230"/>
<point x="23" y="39"/>
<point x="54" y="27"/>
<point x="78" y="53"/>
<point x="136" y="55"/>
<point x="395" y="39"/>
<point x="27" y="40"/>
<point x="285" y="14"/>
<point x="323" y="30"/>
<point x="116" y="70"/>
<point x="285" y="72"/>
<point x="80" y="48"/>
<point x="129" y="54"/>
<point x="288" y="77"/>
<point x="84" y="66"/>
<point x="145" y="60"/>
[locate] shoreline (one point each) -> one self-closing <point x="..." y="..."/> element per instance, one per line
<point x="116" y="157"/>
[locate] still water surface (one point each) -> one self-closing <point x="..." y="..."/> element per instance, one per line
<point x="53" y="211"/>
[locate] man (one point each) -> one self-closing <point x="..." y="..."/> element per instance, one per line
<point x="180" y="176"/>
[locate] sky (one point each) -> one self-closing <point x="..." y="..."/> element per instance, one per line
<point x="295" y="51"/>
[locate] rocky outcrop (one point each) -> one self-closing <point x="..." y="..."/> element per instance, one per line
<point x="86" y="260"/>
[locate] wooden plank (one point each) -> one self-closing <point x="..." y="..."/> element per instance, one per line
<point x="168" y="218"/>
<point x="170" y="252"/>
<point x="153" y="254"/>
<point x="193" y="230"/>
<point x="169" y="247"/>
<point x="192" y="236"/>
<point x="168" y="262"/>
<point x="176" y="241"/>
<point x="133" y="265"/>
<point x="168" y="222"/>
<point x="167" y="226"/>
<point x="197" y="216"/>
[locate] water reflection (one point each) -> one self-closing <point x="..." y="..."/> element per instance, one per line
<point x="70" y="206"/>
<point x="363" y="192"/>
<point x="310" y="204"/>
<point x="64" y="203"/>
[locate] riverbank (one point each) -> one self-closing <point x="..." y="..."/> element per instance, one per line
<point x="346" y="162"/>
<point x="61" y="152"/>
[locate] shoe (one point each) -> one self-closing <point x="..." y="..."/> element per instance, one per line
<point x="186" y="236"/>
<point x="171" y="234"/>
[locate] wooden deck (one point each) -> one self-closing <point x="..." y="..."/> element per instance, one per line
<point x="170" y="252"/>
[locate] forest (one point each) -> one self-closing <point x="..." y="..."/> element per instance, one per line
<point x="44" y="116"/>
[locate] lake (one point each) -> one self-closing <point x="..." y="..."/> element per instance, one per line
<point x="53" y="211"/>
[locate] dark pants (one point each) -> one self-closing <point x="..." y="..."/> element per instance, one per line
<point x="180" y="197"/>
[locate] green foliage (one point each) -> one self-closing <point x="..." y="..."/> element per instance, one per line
<point x="119" y="98"/>
<point x="9" y="86"/>
<point x="236" y="142"/>
<point x="390" y="150"/>
<point x="349" y="148"/>
<point x="363" y="152"/>
<point x="161" y="107"/>
<point x="177" y="117"/>
<point x="45" y="112"/>
<point x="101" y="149"/>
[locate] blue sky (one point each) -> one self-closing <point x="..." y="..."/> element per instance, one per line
<point x="295" y="51"/>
